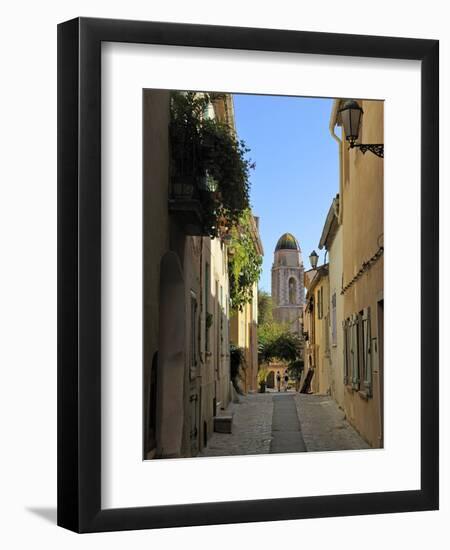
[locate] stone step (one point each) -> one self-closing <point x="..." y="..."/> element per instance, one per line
<point x="223" y="424"/>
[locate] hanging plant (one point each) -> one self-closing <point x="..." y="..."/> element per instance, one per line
<point x="207" y="161"/>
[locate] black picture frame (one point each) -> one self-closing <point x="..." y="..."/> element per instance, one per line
<point x="79" y="274"/>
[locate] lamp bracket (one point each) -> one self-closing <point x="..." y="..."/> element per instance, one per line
<point x="375" y="148"/>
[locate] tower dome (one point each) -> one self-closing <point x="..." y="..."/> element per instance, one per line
<point x="287" y="242"/>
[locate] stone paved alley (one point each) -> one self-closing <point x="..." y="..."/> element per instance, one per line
<point x="284" y="422"/>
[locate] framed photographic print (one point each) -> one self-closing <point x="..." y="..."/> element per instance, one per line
<point x="235" y="206"/>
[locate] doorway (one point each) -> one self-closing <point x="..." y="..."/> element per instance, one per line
<point x="270" y="382"/>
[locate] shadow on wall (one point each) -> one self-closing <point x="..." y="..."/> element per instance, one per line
<point x="171" y="358"/>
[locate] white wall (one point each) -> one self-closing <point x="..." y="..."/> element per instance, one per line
<point x="28" y="268"/>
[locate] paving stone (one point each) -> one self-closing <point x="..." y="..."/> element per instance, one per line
<point x="284" y="422"/>
<point x="324" y="426"/>
<point x="286" y="430"/>
<point x="251" y="430"/>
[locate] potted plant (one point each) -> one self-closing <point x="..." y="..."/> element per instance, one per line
<point x="261" y="378"/>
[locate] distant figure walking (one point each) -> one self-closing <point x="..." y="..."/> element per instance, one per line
<point x="286" y="380"/>
<point x="278" y="380"/>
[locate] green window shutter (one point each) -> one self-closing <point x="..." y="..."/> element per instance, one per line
<point x="367" y="352"/>
<point x="355" y="351"/>
<point x="346" y="350"/>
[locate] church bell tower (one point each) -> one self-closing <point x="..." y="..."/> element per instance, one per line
<point x="288" y="295"/>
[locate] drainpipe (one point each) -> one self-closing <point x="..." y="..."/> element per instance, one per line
<point x="333" y="116"/>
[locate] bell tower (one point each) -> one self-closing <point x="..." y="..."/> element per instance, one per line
<point x="288" y="295"/>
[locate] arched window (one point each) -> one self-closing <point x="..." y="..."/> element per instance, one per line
<point x="292" y="291"/>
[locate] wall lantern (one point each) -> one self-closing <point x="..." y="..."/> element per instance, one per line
<point x="351" y="115"/>
<point x="313" y="258"/>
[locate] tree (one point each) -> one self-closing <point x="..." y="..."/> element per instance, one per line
<point x="264" y="307"/>
<point x="276" y="341"/>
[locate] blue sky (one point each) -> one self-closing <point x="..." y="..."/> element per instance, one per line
<point x="296" y="174"/>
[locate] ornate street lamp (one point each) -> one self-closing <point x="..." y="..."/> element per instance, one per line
<point x="313" y="259"/>
<point x="351" y="115"/>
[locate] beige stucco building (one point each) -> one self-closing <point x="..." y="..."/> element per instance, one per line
<point x="317" y="371"/>
<point x="331" y="240"/>
<point x="344" y="301"/>
<point x="360" y="213"/>
<point x="186" y="374"/>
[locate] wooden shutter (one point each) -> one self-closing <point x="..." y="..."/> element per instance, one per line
<point x="367" y="338"/>
<point x="333" y="320"/>
<point x="346" y="351"/>
<point x="354" y="350"/>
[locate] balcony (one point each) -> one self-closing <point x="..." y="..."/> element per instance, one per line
<point x="185" y="205"/>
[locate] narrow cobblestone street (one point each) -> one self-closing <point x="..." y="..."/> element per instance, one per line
<point x="285" y="422"/>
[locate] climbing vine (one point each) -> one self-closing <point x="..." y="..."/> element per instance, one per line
<point x="244" y="263"/>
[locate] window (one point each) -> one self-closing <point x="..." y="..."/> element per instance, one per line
<point x="320" y="303"/>
<point x="326" y="328"/>
<point x="292" y="291"/>
<point x="345" y="328"/>
<point x="333" y="320"/>
<point x="358" y="352"/>
<point x="351" y="355"/>
<point x="367" y="351"/>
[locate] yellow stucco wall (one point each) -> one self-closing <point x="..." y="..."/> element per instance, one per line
<point x="362" y="217"/>
<point x="321" y="381"/>
<point x="243" y="333"/>
<point x="336" y="349"/>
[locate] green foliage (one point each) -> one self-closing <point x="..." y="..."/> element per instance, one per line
<point x="237" y="365"/>
<point x="262" y="374"/>
<point x="264" y="307"/>
<point x="262" y="378"/>
<point x="244" y="263"/>
<point x="276" y="341"/>
<point x="208" y="158"/>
